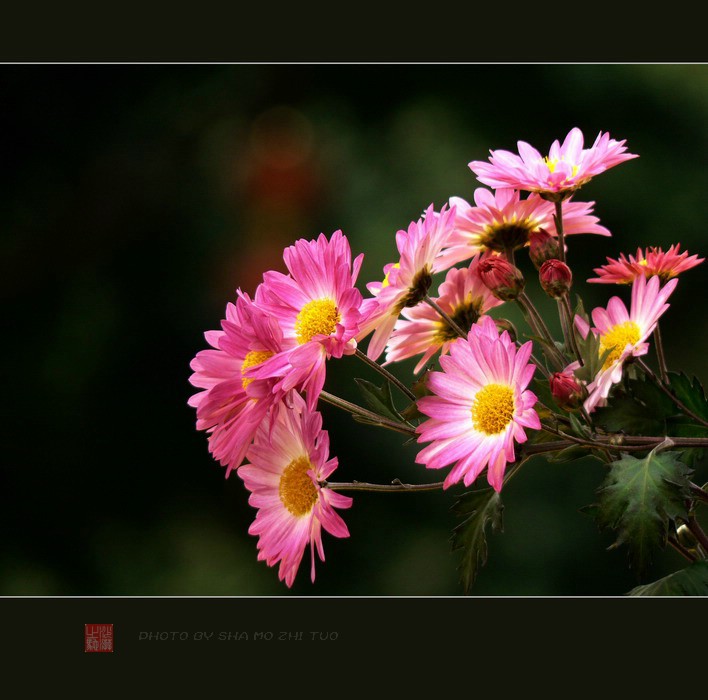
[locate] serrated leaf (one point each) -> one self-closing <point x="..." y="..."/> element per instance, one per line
<point x="625" y="414"/>
<point x="479" y="509"/>
<point x="578" y="428"/>
<point x="690" y="393"/>
<point x="593" y="360"/>
<point x="693" y="580"/>
<point x="639" y="498"/>
<point x="379" y="399"/>
<point x="681" y="426"/>
<point x="641" y="409"/>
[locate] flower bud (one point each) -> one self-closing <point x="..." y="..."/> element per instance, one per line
<point x="542" y="247"/>
<point x="567" y="390"/>
<point x="556" y="278"/>
<point x="502" y="279"/>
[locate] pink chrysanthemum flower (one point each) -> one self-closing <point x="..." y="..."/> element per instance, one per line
<point x="566" y="167"/>
<point x="463" y="296"/>
<point x="502" y="220"/>
<point x="317" y="308"/>
<point x="623" y="333"/>
<point x="233" y="404"/>
<point x="480" y="407"/>
<point x="288" y="461"/>
<point x="406" y="282"/>
<point x="665" y="265"/>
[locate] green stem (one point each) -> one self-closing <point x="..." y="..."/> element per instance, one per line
<point x="445" y="317"/>
<point x="681" y="549"/>
<point x="660" y="356"/>
<point x="385" y="373"/>
<point x="566" y="312"/>
<point x="697" y="532"/>
<point x="365" y="413"/>
<point x="669" y="393"/>
<point x="559" y="229"/>
<point x="540" y="329"/>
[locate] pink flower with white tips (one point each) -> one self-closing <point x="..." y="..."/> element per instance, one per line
<point x="502" y="220"/>
<point x="623" y="333"/>
<point x="666" y="265"/>
<point x="566" y="167"/>
<point x="317" y="308"/>
<point x="232" y="404"/>
<point x="406" y="282"/>
<point x="480" y="408"/>
<point x="288" y="462"/>
<point x="463" y="296"/>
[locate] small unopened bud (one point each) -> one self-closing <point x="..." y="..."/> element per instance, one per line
<point x="567" y="390"/>
<point x="504" y="324"/>
<point x="502" y="279"/>
<point x="556" y="278"/>
<point x="542" y="247"/>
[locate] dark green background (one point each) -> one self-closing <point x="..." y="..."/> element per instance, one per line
<point x="135" y="199"/>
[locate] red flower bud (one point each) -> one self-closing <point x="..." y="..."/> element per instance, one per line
<point x="502" y="279"/>
<point x="542" y="247"/>
<point x="556" y="278"/>
<point x="567" y="390"/>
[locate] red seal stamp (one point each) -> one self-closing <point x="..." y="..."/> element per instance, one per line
<point x="98" y="638"/>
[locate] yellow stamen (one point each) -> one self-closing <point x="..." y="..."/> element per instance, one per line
<point x="616" y="339"/>
<point x="385" y="282"/>
<point x="317" y="316"/>
<point x="643" y="263"/>
<point x="493" y="408"/>
<point x="255" y="357"/>
<point x="297" y="491"/>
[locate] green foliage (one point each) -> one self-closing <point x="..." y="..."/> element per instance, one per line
<point x="593" y="361"/>
<point x="640" y="409"/>
<point x="639" y="498"/>
<point x="379" y="399"/>
<point x="478" y="508"/>
<point x="690" y="393"/>
<point x="693" y="580"/>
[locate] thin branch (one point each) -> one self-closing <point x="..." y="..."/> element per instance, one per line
<point x="396" y="486"/>
<point x="365" y="413"/>
<point x="697" y="532"/>
<point x="681" y="549"/>
<point x="386" y="374"/>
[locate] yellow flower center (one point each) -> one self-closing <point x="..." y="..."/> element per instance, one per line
<point x="643" y="263"/>
<point x="385" y="282"/>
<point x="493" y="408"/>
<point x="317" y="316"/>
<point x="255" y="357"/>
<point x="296" y="490"/>
<point x="552" y="162"/>
<point x="616" y="339"/>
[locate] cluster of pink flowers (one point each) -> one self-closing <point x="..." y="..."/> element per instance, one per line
<point x="262" y="377"/>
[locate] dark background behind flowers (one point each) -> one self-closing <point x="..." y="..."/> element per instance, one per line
<point x="135" y="199"/>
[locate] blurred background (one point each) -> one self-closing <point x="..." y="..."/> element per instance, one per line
<point x="136" y="198"/>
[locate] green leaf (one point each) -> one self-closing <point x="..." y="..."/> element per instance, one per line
<point x="640" y="410"/>
<point x="690" y="393"/>
<point x="568" y="454"/>
<point x="681" y="426"/>
<point x="693" y="580"/>
<point x="479" y="508"/>
<point x="593" y="361"/>
<point x="578" y="428"/>
<point x="379" y="399"/>
<point x="639" y="498"/>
